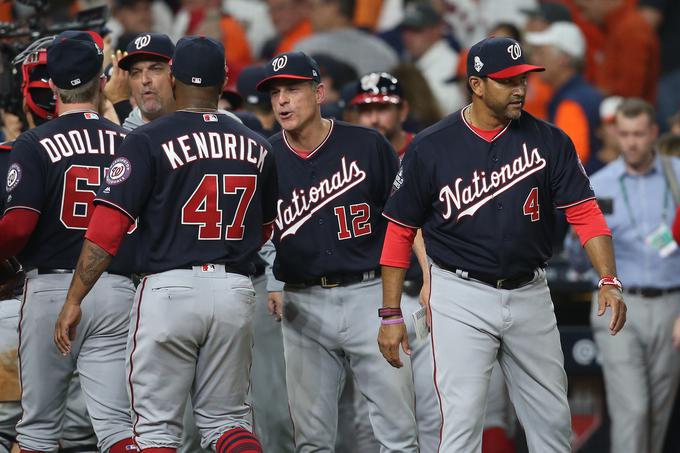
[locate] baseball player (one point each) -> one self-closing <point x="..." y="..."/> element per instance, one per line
<point x="333" y="180"/>
<point x="143" y="72"/>
<point x="192" y="315"/>
<point x="483" y="184"/>
<point x="54" y="172"/>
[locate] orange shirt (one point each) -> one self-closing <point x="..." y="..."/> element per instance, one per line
<point x="538" y="96"/>
<point x="235" y="42"/>
<point x="367" y="13"/>
<point x="571" y="118"/>
<point x="629" y="63"/>
<point x="300" y="31"/>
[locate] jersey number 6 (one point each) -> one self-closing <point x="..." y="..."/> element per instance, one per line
<point x="202" y="207"/>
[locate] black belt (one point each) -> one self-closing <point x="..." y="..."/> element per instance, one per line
<point x="49" y="271"/>
<point x="498" y="283"/>
<point x="227" y="269"/>
<point x="335" y="280"/>
<point x="648" y="292"/>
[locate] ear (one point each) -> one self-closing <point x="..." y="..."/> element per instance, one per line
<point x="53" y="87"/>
<point x="320" y="93"/>
<point x="477" y="85"/>
<point x="226" y="82"/>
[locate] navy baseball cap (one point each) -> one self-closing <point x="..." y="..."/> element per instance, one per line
<point x="151" y="46"/>
<point x="199" y="61"/>
<point x="378" y="88"/>
<point x="246" y="85"/>
<point x="498" y="58"/>
<point x="73" y="59"/>
<point x="290" y="65"/>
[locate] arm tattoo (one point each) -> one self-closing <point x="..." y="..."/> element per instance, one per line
<point x="93" y="261"/>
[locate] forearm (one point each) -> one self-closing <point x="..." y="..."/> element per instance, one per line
<point x="393" y="284"/>
<point x="600" y="250"/>
<point x="421" y="254"/>
<point x="92" y="263"/>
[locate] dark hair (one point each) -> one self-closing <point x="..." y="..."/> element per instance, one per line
<point x="669" y="144"/>
<point x="346" y="7"/>
<point x="633" y="107"/>
<point x="513" y="31"/>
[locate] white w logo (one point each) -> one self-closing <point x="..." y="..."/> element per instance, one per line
<point x="142" y="41"/>
<point x="515" y="51"/>
<point x="279" y="63"/>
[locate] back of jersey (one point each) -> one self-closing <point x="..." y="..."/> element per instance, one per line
<point x="56" y="170"/>
<point x="202" y="186"/>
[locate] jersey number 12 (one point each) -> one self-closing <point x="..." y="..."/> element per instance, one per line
<point x="202" y="207"/>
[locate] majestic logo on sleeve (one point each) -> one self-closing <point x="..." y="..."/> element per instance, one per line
<point x="305" y="202"/>
<point x="484" y="187"/>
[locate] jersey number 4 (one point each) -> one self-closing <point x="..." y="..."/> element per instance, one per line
<point x="531" y="207"/>
<point x="202" y="207"/>
<point x="361" y="213"/>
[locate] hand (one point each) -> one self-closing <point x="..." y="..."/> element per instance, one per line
<point x="65" y="330"/>
<point x="389" y="338"/>
<point x="425" y="302"/>
<point x="610" y="296"/>
<point x="676" y="334"/>
<point x="275" y="304"/>
<point x="118" y="87"/>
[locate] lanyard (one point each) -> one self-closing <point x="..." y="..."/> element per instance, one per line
<point x="626" y="201"/>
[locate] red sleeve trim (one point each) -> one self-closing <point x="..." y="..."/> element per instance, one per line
<point x="566" y="206"/>
<point x="398" y="222"/>
<point x="267" y="230"/>
<point x="107" y="228"/>
<point x="113" y="205"/>
<point x="587" y="220"/>
<point x="16" y="228"/>
<point x="396" y="250"/>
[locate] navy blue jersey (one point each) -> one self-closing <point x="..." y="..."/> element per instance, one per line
<point x="488" y="207"/>
<point x="5" y="149"/>
<point x="202" y="185"/>
<point x="55" y="170"/>
<point x="330" y="204"/>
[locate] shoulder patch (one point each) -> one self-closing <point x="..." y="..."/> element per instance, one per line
<point x="119" y="171"/>
<point x="13" y="176"/>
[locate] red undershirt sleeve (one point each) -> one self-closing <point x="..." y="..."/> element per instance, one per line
<point x="396" y="250"/>
<point x="108" y="226"/>
<point x="16" y="227"/>
<point x="267" y="231"/>
<point x="587" y="220"/>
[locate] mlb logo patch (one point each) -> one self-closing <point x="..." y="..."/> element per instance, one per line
<point x="208" y="268"/>
<point x="196" y="80"/>
<point x="91" y="116"/>
<point x="209" y="117"/>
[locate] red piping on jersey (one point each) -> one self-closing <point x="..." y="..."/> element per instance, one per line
<point x="566" y="206"/>
<point x="396" y="251"/>
<point x="587" y="220"/>
<point x="16" y="228"/>
<point x="108" y="226"/>
<point x="302" y="154"/>
<point x="481" y="133"/>
<point x="132" y="353"/>
<point x="398" y="222"/>
<point x="402" y="151"/>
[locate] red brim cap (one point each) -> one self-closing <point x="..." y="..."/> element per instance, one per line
<point x="264" y="83"/>
<point x="369" y="98"/>
<point x="513" y="71"/>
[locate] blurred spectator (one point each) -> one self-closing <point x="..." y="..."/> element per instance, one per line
<point x="206" y="17"/>
<point x="423" y="35"/>
<point x="609" y="150"/>
<point x="471" y="20"/>
<point x="291" y="23"/>
<point x="628" y="64"/>
<point x="256" y="102"/>
<point x="664" y="16"/>
<point x="503" y="29"/>
<point x="574" y="106"/>
<point x="544" y="14"/>
<point x="640" y="364"/>
<point x="334" y="35"/>
<point x="10" y="127"/>
<point x="334" y="75"/>
<point x="669" y="144"/>
<point x="254" y="17"/>
<point x="423" y="107"/>
<point x="128" y="19"/>
<point x="367" y="13"/>
<point x="674" y="123"/>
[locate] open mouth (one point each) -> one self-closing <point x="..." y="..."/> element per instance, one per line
<point x="285" y="115"/>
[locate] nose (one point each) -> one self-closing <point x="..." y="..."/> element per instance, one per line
<point x="146" y="79"/>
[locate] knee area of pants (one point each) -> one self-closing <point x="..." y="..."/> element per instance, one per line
<point x="238" y="440"/>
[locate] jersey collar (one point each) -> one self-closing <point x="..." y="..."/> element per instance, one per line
<point x="472" y="129"/>
<point x="315" y="150"/>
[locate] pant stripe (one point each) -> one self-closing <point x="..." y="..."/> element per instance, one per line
<point x="21" y="318"/>
<point x="132" y="352"/>
<point x="434" y="361"/>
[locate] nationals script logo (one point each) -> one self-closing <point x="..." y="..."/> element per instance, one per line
<point x="303" y="204"/>
<point x="483" y="188"/>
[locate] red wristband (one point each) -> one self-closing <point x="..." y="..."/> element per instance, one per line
<point x="611" y="281"/>
<point x="387" y="322"/>
<point x="389" y="311"/>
